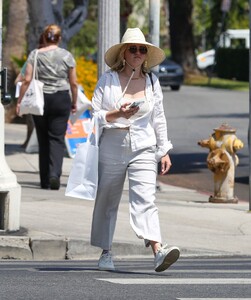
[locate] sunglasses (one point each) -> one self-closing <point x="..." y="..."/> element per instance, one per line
<point x="134" y="49"/>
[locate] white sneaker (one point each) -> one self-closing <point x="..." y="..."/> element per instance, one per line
<point x="105" y="262"/>
<point x="165" y="257"/>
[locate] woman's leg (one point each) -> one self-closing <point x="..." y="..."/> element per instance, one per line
<point x="59" y="105"/>
<point x="111" y="180"/>
<point x="144" y="217"/>
<point x="112" y="170"/>
<point x="43" y="155"/>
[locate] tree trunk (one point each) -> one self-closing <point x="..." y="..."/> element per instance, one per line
<point x="44" y="12"/>
<point x="181" y="33"/>
<point x="14" y="46"/>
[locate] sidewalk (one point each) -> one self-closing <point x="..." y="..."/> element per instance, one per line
<point x="57" y="227"/>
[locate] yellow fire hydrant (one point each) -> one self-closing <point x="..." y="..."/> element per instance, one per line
<point x="222" y="160"/>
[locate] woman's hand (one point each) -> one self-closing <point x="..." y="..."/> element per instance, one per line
<point x="18" y="109"/>
<point x="124" y="112"/>
<point x="127" y="112"/>
<point x="165" y="164"/>
<point x="73" y="108"/>
<point x="25" y="84"/>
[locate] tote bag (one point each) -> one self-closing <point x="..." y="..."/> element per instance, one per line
<point x="33" y="99"/>
<point x="83" y="179"/>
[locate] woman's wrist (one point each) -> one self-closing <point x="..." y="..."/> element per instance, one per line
<point x="113" y="115"/>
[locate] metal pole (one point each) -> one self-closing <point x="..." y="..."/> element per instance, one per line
<point x="1" y="31"/>
<point x="249" y="129"/>
<point x="154" y="23"/>
<point x="108" y="29"/>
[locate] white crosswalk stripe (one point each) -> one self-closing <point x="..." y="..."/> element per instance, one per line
<point x="177" y="280"/>
<point x="213" y="298"/>
<point x="212" y="271"/>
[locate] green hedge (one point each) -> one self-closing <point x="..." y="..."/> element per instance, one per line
<point x="232" y="63"/>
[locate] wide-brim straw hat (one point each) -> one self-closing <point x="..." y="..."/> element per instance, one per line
<point x="155" y="55"/>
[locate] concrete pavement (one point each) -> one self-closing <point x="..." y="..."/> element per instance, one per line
<point x="54" y="227"/>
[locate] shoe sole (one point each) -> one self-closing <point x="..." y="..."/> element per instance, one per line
<point x="169" y="259"/>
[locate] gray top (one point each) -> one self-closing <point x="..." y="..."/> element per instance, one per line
<point x="53" y="68"/>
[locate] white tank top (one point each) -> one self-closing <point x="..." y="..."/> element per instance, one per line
<point x="143" y="108"/>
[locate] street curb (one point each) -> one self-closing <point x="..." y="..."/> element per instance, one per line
<point x="15" y="248"/>
<point x="47" y="249"/>
<point x="36" y="248"/>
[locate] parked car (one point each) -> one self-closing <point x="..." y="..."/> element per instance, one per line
<point x="205" y="60"/>
<point x="170" y="74"/>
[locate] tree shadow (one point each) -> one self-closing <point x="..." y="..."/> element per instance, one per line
<point x="221" y="116"/>
<point x="11" y="149"/>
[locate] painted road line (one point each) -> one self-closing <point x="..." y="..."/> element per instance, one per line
<point x="210" y="271"/>
<point x="213" y="299"/>
<point x="177" y="280"/>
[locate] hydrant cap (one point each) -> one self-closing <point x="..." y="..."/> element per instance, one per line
<point x="225" y="128"/>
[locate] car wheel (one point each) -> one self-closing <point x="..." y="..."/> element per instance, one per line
<point x="175" y="87"/>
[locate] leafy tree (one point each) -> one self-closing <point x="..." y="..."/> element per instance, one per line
<point x="239" y="14"/>
<point x="209" y="20"/>
<point x="85" y="42"/>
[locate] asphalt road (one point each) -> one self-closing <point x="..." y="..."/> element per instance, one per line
<point x="192" y="114"/>
<point x="189" y="278"/>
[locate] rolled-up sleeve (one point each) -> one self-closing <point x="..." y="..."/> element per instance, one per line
<point x="97" y="101"/>
<point x="159" y="123"/>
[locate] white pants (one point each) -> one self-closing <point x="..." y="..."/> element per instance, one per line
<point x="115" y="159"/>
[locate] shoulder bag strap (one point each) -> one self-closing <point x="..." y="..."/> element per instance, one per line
<point x="35" y="74"/>
<point x="151" y="78"/>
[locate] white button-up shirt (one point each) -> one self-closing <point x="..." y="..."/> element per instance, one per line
<point x="146" y="131"/>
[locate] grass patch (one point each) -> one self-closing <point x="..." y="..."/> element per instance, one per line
<point x="200" y="80"/>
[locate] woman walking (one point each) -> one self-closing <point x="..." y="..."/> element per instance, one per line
<point x="56" y="69"/>
<point x="128" y="103"/>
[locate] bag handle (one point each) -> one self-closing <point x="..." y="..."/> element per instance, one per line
<point x="35" y="74"/>
<point x="94" y="127"/>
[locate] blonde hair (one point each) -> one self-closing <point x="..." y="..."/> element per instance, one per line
<point x="119" y="64"/>
<point x="52" y="34"/>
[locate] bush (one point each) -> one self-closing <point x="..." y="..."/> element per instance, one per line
<point x="87" y="75"/>
<point x="232" y="63"/>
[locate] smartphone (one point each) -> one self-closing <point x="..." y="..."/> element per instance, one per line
<point x="136" y="103"/>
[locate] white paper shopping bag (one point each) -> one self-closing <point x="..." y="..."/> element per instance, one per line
<point x="83" y="179"/>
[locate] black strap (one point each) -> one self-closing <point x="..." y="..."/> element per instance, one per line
<point x="151" y="78"/>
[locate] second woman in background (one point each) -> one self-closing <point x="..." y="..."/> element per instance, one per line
<point x="57" y="70"/>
